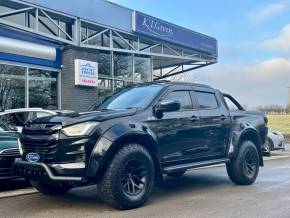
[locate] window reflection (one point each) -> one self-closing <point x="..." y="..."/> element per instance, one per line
<point x="104" y="62"/>
<point x="105" y="88"/>
<point x="12" y="87"/>
<point x="42" y="89"/>
<point x="123" y="66"/>
<point x="142" y="69"/>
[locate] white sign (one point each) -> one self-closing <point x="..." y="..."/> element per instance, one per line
<point x="86" y="73"/>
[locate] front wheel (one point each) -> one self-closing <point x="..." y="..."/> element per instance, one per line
<point x="51" y="189"/>
<point x="245" y="168"/>
<point x="129" y="178"/>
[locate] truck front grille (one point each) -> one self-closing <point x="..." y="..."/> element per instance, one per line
<point x="41" y="139"/>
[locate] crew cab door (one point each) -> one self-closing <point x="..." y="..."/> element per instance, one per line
<point x="177" y="131"/>
<point x="215" y="123"/>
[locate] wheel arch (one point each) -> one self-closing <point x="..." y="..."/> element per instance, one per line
<point x="253" y="136"/>
<point x="141" y="138"/>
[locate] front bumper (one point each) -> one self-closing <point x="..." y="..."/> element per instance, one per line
<point x="45" y="172"/>
<point x="6" y="173"/>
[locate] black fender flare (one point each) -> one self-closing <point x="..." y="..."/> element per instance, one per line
<point x="248" y="133"/>
<point x="113" y="139"/>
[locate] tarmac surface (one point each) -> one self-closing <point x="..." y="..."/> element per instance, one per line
<point x="206" y="192"/>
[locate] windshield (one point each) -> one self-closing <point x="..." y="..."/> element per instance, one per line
<point x="133" y="97"/>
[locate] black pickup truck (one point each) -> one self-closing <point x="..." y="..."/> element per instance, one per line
<point x="133" y="138"/>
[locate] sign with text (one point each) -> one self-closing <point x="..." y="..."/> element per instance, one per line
<point x="86" y="73"/>
<point x="154" y="27"/>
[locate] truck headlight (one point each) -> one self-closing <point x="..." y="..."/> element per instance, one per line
<point x="82" y="129"/>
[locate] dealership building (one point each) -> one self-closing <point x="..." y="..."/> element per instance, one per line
<point x="66" y="54"/>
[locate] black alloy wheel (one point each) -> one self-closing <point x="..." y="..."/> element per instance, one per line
<point x="134" y="177"/>
<point x="129" y="178"/>
<point x="244" y="169"/>
<point x="250" y="164"/>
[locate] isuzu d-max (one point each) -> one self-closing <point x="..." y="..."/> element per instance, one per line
<point x="133" y="138"/>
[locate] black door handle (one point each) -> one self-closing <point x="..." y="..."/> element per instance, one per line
<point x="220" y="119"/>
<point x="194" y="118"/>
<point x="223" y="117"/>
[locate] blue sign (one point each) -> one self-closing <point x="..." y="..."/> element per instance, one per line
<point x="153" y="27"/>
<point x="88" y="70"/>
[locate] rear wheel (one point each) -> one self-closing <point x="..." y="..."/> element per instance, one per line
<point x="245" y="168"/>
<point x="129" y="178"/>
<point x="51" y="189"/>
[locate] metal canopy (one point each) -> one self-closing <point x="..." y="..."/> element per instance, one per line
<point x="168" y="59"/>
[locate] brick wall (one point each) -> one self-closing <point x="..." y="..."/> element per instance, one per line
<point x="73" y="97"/>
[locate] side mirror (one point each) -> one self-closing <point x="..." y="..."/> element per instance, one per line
<point x="168" y="106"/>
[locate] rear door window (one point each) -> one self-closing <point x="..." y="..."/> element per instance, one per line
<point x="206" y="100"/>
<point x="183" y="97"/>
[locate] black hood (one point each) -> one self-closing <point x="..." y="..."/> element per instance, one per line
<point x="74" y="118"/>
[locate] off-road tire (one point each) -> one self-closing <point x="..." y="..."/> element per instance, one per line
<point x="176" y="174"/>
<point x="110" y="186"/>
<point x="51" y="189"/>
<point x="237" y="168"/>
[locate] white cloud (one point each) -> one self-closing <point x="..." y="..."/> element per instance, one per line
<point x="268" y="11"/>
<point x="256" y="84"/>
<point x="281" y="43"/>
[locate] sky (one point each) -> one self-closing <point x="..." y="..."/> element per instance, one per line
<point x="253" y="38"/>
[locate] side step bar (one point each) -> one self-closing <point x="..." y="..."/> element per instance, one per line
<point x="187" y="166"/>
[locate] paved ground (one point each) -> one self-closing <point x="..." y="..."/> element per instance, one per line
<point x="200" y="193"/>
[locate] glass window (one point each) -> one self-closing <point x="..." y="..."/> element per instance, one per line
<point x="206" y="100"/>
<point x="105" y="87"/>
<point x="3" y="128"/>
<point x="126" y="42"/>
<point x="40" y="114"/>
<point x="46" y="26"/>
<point x="232" y="106"/>
<point x="120" y="84"/>
<point x="15" y="18"/>
<point x="15" y="119"/>
<point x="183" y="97"/>
<point x="104" y="63"/>
<point x="123" y="66"/>
<point x="42" y="89"/>
<point x="134" y="97"/>
<point x="84" y="34"/>
<point x="142" y="69"/>
<point x="92" y="33"/>
<point x="12" y="87"/>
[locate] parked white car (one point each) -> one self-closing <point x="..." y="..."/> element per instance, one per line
<point x="17" y="117"/>
<point x="275" y="141"/>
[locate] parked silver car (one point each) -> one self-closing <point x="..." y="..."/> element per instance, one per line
<point x="275" y="141"/>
